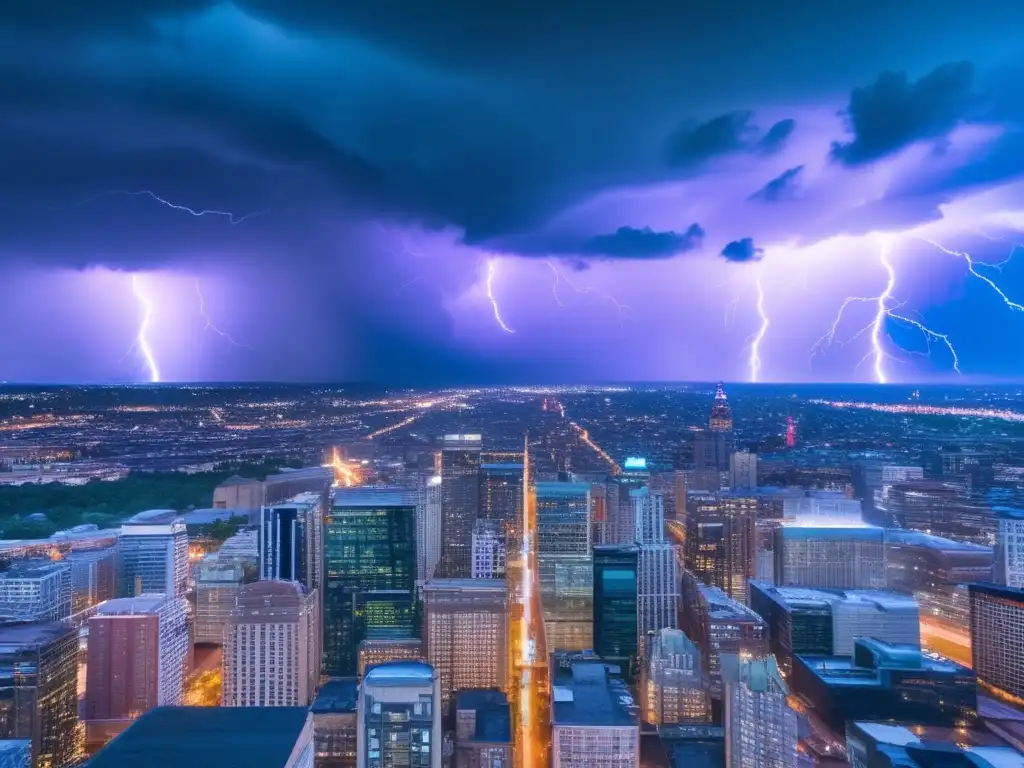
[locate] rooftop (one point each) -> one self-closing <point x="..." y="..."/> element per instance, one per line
<point x="337" y="695"/>
<point x="921" y="539"/>
<point x="400" y="673"/>
<point x="370" y="496"/>
<point x="906" y="749"/>
<point x="32" y="633"/>
<point x="154" y="516"/>
<point x="722" y="607"/>
<point x="872" y="658"/>
<point x="206" y="737"/>
<point x="493" y="717"/>
<point x="810" y="597"/>
<point x="31" y="568"/>
<point x="556" y="489"/>
<point x="140" y="604"/>
<point x="585" y="695"/>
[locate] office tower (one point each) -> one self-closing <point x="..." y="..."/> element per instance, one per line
<point x="939" y="508"/>
<point x="615" y="605"/>
<point x="881" y="745"/>
<point x="428" y="528"/>
<point x="38" y="690"/>
<point x="620" y="514"/>
<point x="743" y="471"/>
<point x="218" y="582"/>
<point x="972" y="468"/>
<point x="823" y="508"/>
<point x="760" y="726"/>
<point x="657" y="588"/>
<point x="384" y="651"/>
<point x="565" y="564"/>
<point x="272" y="649"/>
<point x="721" y="413"/>
<point x="489" y="552"/>
<point x="830" y="557"/>
<point x="154" y="555"/>
<point x="886" y="681"/>
<point x="721" y="541"/>
<point x="594" y="721"/>
<point x="483" y="729"/>
<point x="194" y="737"/>
<point x="399" y="717"/>
<point x="460" y="503"/>
<point x="936" y="572"/>
<point x="93" y="576"/>
<point x="1009" y="546"/>
<point x="672" y="691"/>
<point x="997" y="639"/>
<point x="139" y="655"/>
<point x="335" y="725"/>
<point x="369" y="545"/>
<point x="466" y="635"/>
<point x="501" y="497"/>
<point x="649" y="515"/>
<point x="34" y="590"/>
<point x="291" y="540"/>
<point x="820" y="622"/>
<point x="720" y="625"/>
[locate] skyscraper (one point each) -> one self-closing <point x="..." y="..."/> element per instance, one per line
<point x="649" y="515"/>
<point x="272" y="651"/>
<point x="465" y="629"/>
<point x="997" y="639"/>
<point x="721" y="541"/>
<point x="760" y="726"/>
<point x="38" y="690"/>
<point x="489" y="550"/>
<point x="672" y="691"/>
<point x="291" y="540"/>
<point x="369" y="546"/>
<point x="721" y="413"/>
<point x="460" y="503"/>
<point x="93" y="576"/>
<point x="399" y="717"/>
<point x="830" y="557"/>
<point x="615" y="605"/>
<point x="34" y="590"/>
<point x="154" y="554"/>
<point x="1010" y="546"/>
<point x="657" y="587"/>
<point x="428" y="528"/>
<point x="501" y="496"/>
<point x="218" y="581"/>
<point x="565" y="564"/>
<point x="743" y="471"/>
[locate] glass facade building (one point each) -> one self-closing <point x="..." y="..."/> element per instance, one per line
<point x="460" y="503"/>
<point x="369" y="546"/>
<point x="721" y="541"/>
<point x="399" y="717"/>
<point x="153" y="558"/>
<point x="615" y="605"/>
<point x="830" y="557"/>
<point x="291" y="540"/>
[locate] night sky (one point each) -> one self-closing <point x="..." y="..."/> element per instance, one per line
<point x="457" y="192"/>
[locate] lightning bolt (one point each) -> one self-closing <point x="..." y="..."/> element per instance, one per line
<point x="407" y="284"/>
<point x="554" y="285"/>
<point x="232" y="218"/>
<point x="209" y="321"/>
<point x="490" y="297"/>
<point x="622" y="309"/>
<point x="886" y="306"/>
<point x="754" y="359"/>
<point x="141" y="338"/>
<point x="971" y="264"/>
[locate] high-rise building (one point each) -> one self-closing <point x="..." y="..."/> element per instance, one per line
<point x="335" y="724"/>
<point x="489" y="550"/>
<point x="820" y="622"/>
<point x="975" y="469"/>
<point x="672" y="691"/>
<point x="830" y="557"/>
<point x="139" y="656"/>
<point x="399" y="717"/>
<point x="93" y="576"/>
<point x="34" y="590"/>
<point x="428" y="528"/>
<point x="38" y="690"/>
<point x="760" y="726"/>
<point x="153" y="555"/>
<point x="823" y="508"/>
<point x="501" y="496"/>
<point x="721" y="413"/>
<point x="1009" y="546"/>
<point x="743" y="471"/>
<point x="466" y="635"/>
<point x="483" y="729"/>
<point x="369" y="545"/>
<point x="386" y="650"/>
<point x="939" y="508"/>
<point x="615" y="605"/>
<point x="218" y="582"/>
<point x="720" y="625"/>
<point x="565" y="564"/>
<point x="272" y="648"/>
<point x="291" y="540"/>
<point x="721" y="541"/>
<point x="997" y="639"/>
<point x="649" y="515"/>
<point x="594" y="720"/>
<point x="460" y="503"/>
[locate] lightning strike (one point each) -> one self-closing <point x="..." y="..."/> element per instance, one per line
<point x="754" y="359"/>
<point x="209" y="322"/>
<point x="971" y="264"/>
<point x="141" y="338"/>
<point x="622" y="309"/>
<point x="407" y="284"/>
<point x="554" y="285"/>
<point x="490" y="297"/>
<point x="878" y="326"/>
<point x="231" y="217"/>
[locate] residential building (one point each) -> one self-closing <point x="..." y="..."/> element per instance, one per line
<point x="399" y="717"/>
<point x="460" y="503"/>
<point x="153" y="555"/>
<point x="38" y="690"/>
<point x="369" y="546"/>
<point x="335" y="723"/>
<point x="218" y="581"/>
<point x="466" y="634"/>
<point x="760" y="726"/>
<point x="830" y="557"/>
<point x="997" y="639"/>
<point x="272" y="648"/>
<point x="291" y="540"/>
<point x="673" y="690"/>
<point x="34" y="589"/>
<point x="483" y="729"/>
<point x="616" y="633"/>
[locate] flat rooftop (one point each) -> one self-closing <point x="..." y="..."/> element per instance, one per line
<point x="721" y="607"/>
<point x="808" y="596"/>
<point x="338" y="695"/>
<point x="141" y="604"/>
<point x="586" y="695"/>
<point x="206" y="737"/>
<point x="33" y="633"/>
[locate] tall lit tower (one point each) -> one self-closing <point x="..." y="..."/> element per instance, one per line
<point x="721" y="413"/>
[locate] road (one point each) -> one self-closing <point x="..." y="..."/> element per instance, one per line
<point x="947" y="640"/>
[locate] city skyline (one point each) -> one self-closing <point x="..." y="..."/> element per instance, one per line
<point x="438" y="196"/>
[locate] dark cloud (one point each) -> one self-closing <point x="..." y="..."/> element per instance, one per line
<point x="893" y="112"/>
<point x="776" y="137"/>
<point x="742" y="250"/>
<point x="782" y="187"/>
<point x="694" y="143"/>
<point x="632" y="243"/>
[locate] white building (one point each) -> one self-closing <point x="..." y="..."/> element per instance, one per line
<point x="648" y="515"/>
<point x="35" y="590"/>
<point x="272" y="650"/>
<point x="1010" y="546"/>
<point x="428" y="529"/>
<point x="657" y="588"/>
<point x="489" y="550"/>
<point x="672" y="688"/>
<point x="743" y="471"/>
<point x="760" y="726"/>
<point x="399" y="718"/>
<point x="830" y="557"/>
<point x="823" y="508"/>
